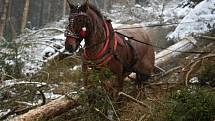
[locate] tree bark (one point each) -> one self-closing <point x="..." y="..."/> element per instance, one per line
<point x="25" y="16"/>
<point x="3" y="16"/>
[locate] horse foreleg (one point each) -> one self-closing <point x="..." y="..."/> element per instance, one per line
<point x="118" y="87"/>
<point x="85" y="75"/>
<point x="140" y="79"/>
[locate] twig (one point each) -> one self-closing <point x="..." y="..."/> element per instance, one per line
<point x="190" y="71"/>
<point x="101" y="113"/>
<point x="170" y="71"/>
<point x="48" y="75"/>
<point x="40" y="30"/>
<point x="2" y="75"/>
<point x="133" y="99"/>
<point x="113" y="108"/>
<point x="8" y="114"/>
<point x="162" y="83"/>
<point x="207" y="37"/>
<point x="194" y="64"/>
<point x="43" y="97"/>
<point x="142" y="117"/>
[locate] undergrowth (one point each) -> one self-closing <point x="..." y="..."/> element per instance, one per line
<point x="193" y="103"/>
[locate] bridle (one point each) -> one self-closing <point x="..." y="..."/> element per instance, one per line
<point x="69" y="32"/>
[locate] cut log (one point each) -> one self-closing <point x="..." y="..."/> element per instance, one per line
<point x="170" y="53"/>
<point x="48" y="111"/>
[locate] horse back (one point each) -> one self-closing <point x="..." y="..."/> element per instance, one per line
<point x="143" y="49"/>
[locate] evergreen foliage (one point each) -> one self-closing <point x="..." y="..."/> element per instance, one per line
<point x="191" y="104"/>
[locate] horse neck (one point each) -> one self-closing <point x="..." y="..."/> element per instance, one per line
<point x="96" y="38"/>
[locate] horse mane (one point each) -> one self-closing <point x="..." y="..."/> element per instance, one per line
<point x="94" y="8"/>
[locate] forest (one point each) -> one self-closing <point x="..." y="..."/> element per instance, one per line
<point x="80" y="60"/>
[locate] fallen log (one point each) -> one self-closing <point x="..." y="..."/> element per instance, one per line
<point x="171" y="52"/>
<point x="48" y="111"/>
<point x="64" y="104"/>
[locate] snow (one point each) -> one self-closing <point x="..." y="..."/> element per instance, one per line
<point x="52" y="96"/>
<point x="61" y="36"/>
<point x="173" y="13"/>
<point x="76" y="68"/>
<point x="197" y="21"/>
<point x="13" y="82"/>
<point x="43" y="44"/>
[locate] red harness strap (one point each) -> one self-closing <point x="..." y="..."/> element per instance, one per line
<point x="111" y="54"/>
<point x="100" y="54"/>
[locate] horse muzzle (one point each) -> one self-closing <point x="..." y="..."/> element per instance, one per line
<point x="71" y="45"/>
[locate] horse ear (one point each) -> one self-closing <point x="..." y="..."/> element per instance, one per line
<point x="70" y="5"/>
<point x="87" y="2"/>
<point x="85" y="6"/>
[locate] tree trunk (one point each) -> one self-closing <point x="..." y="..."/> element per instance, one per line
<point x="137" y="1"/>
<point x="3" y="16"/>
<point x="48" y="111"/>
<point x="25" y="16"/>
<point x="107" y="5"/>
<point x="64" y="7"/>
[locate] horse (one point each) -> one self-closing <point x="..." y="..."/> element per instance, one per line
<point x="106" y="47"/>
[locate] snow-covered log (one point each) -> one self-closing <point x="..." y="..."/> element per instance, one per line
<point x="48" y="111"/>
<point x="171" y="52"/>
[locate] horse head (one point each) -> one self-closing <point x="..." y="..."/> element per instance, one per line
<point x="78" y="27"/>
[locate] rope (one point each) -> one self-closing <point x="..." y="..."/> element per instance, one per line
<point x="155" y="46"/>
<point x="165" y="24"/>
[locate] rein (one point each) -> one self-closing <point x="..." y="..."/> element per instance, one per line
<point x="189" y="52"/>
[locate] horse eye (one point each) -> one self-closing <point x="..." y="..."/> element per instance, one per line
<point x="79" y="21"/>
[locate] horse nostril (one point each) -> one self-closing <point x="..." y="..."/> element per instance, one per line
<point x="69" y="48"/>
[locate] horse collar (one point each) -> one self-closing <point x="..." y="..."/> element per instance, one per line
<point x="101" y="58"/>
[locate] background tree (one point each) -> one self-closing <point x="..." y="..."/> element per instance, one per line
<point x="3" y="14"/>
<point x="25" y="15"/>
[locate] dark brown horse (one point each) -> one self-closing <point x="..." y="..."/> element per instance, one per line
<point x="104" y="47"/>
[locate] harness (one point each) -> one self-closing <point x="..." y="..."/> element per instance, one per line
<point x="127" y="66"/>
<point x="107" y="52"/>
